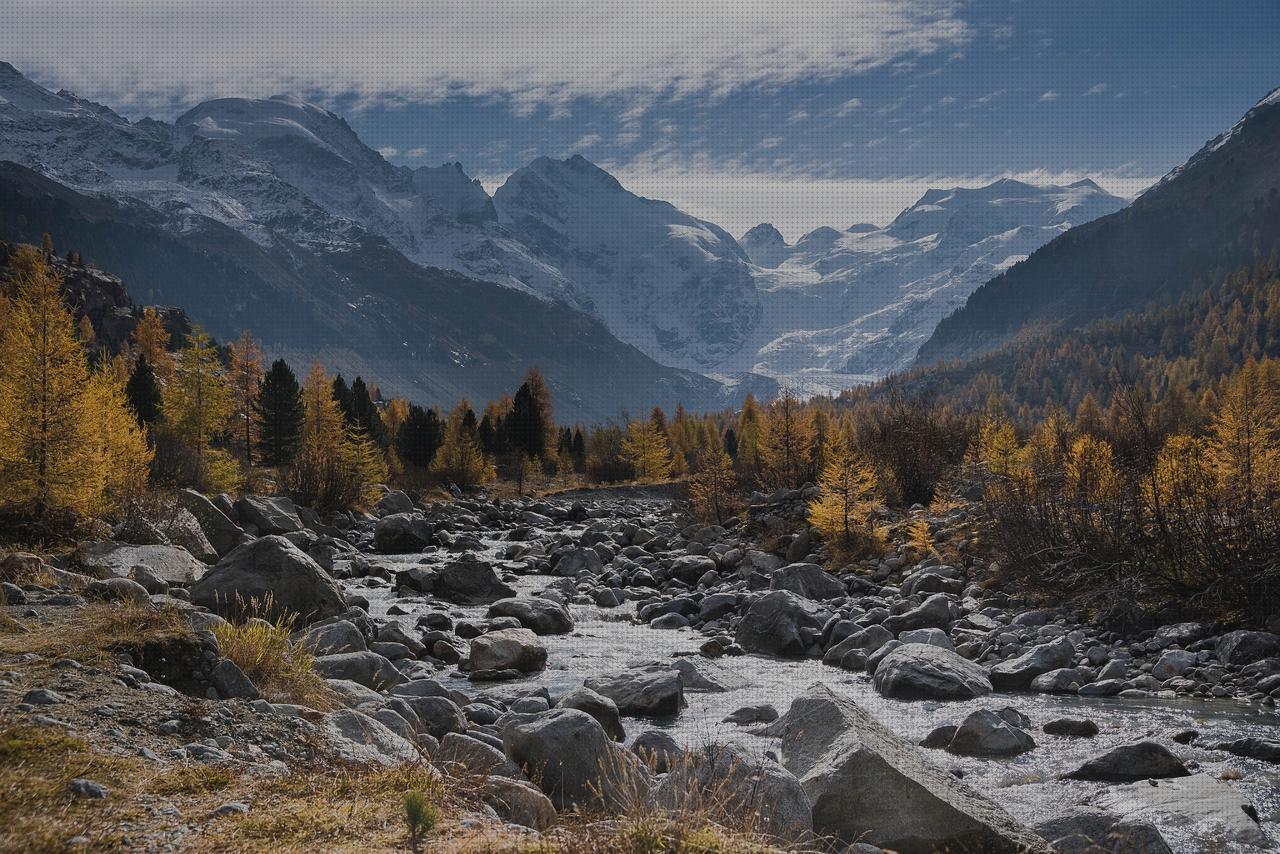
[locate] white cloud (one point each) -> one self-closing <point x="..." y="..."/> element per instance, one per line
<point x="1050" y="95"/>
<point x="417" y="153"/>
<point x="848" y="107"/>
<point x="148" y="54"/>
<point x="388" y="151"/>
<point x="1097" y="89"/>
<point x="771" y="142"/>
<point x="586" y="141"/>
<point x="797" y="117"/>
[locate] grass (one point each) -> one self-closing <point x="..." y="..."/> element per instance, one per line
<point x="281" y="668"/>
<point x="94" y="633"/>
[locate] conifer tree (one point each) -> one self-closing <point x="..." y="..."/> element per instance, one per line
<point x="841" y="512"/>
<point x="143" y="392"/>
<point x="419" y="437"/>
<point x="364" y="414"/>
<point x="786" y="442"/>
<point x="713" y="490"/>
<point x="1244" y="438"/>
<point x="460" y="459"/>
<point x="119" y="453"/>
<point x="645" y="447"/>
<point x="279" y="414"/>
<point x="198" y="403"/>
<point x="151" y="339"/>
<point x="531" y="425"/>
<point x="245" y="378"/>
<point x="335" y="466"/>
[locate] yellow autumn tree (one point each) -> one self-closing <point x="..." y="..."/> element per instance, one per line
<point x="786" y="442"/>
<point x="713" y="489"/>
<point x="998" y="448"/>
<point x="151" y="339"/>
<point x="63" y="436"/>
<point x="1244" y="437"/>
<point x="645" y="447"/>
<point x="460" y="459"/>
<point x="847" y="489"/>
<point x="245" y="378"/>
<point x="197" y="404"/>
<point x="1090" y="473"/>
<point x="335" y="467"/>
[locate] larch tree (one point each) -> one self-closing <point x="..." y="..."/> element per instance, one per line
<point x="279" y="414"/>
<point x="713" y="489"/>
<point x="336" y="466"/>
<point x="245" y="378"/>
<point x="786" y="442"/>
<point x="198" y="404"/>
<point x="1244" y="437"/>
<point x="847" y="489"/>
<point x="645" y="447"/>
<point x="460" y="458"/>
<point x="151" y="339"/>
<point x="119" y="454"/>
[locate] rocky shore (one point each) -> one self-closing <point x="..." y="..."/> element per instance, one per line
<point x="579" y="656"/>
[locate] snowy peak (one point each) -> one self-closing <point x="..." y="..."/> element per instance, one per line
<point x="457" y="196"/>
<point x="764" y="245"/>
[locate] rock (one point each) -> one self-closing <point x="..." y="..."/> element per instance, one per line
<point x="690" y="568"/>
<point x="1174" y="662"/>
<point x="932" y="613"/>
<point x="1209" y="807"/>
<point x="508" y="649"/>
<point x="518" y="802"/>
<point x="182" y="529"/>
<point x="1071" y="727"/>
<point x="1145" y="760"/>
<point x="117" y="590"/>
<point x="150" y="582"/>
<point x="104" y="558"/>
<point x="1064" y="680"/>
<point x="336" y="637"/>
<point x="1244" y="647"/>
<point x="867" y="785"/>
<point x="923" y="672"/>
<point x="659" y="750"/>
<point x="571" y="758"/>
<point x="723" y="783"/>
<point x="1087" y="830"/>
<point x="364" y="668"/>
<point x="470" y="582"/>
<point x="542" y="616"/>
<point x="269" y="515"/>
<point x="1018" y="672"/>
<point x="231" y="682"/>
<point x="439" y="716"/>
<point x="652" y="693"/>
<point x="87" y="788"/>
<point x="761" y="714"/>
<point x="932" y="637"/>
<point x="780" y="623"/>
<point x="851" y="653"/>
<point x="1262" y="749"/>
<point x="223" y="534"/>
<point x="575" y="561"/>
<point x="274" y="572"/>
<point x="356" y="737"/>
<point x="599" y="707"/>
<point x="474" y="756"/>
<point x="43" y="697"/>
<point x="392" y="502"/>
<point x="402" y="533"/>
<point x="807" y="580"/>
<point x="699" y="674"/>
<point x="986" y="733"/>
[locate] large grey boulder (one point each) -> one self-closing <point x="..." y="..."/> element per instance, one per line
<point x="599" y="707"/>
<point x="933" y="613"/>
<point x="807" y="580"/>
<point x="518" y="802"/>
<point x="650" y="693"/>
<point x="575" y="561"/>
<point x="223" y="534"/>
<point x="1244" y="647"/>
<point x="394" y="501"/>
<point x="917" y="671"/>
<point x="868" y="785"/>
<point x="402" y="533"/>
<point x="569" y="755"/>
<point x="1088" y="830"/>
<point x="474" y="756"/>
<point x="356" y="737"/>
<point x="335" y="637"/>
<point x="1212" y="807"/>
<point x="182" y="529"/>
<point x="725" y="784"/>
<point x="508" y="649"/>
<point x="364" y="668"/>
<point x="987" y="733"/>
<point x="1019" y="672"/>
<point x="1129" y="763"/>
<point x="852" y="652"/>
<point x="780" y="623"/>
<point x="269" y="515"/>
<point x="274" y="572"/>
<point x="171" y="564"/>
<point x="542" y="616"/>
<point x="470" y="582"/>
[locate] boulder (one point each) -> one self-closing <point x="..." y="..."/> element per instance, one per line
<point x="986" y="733"/>
<point x="171" y="564"/>
<point x="1210" y="808"/>
<point x="1071" y="727"/>
<point x="364" y="668"/>
<point x="117" y="590"/>
<point x="392" y="502"/>
<point x="182" y="529"/>
<point x="335" y="637"/>
<point x="1129" y="763"/>
<point x="269" y="515"/>
<point x="647" y="693"/>
<point x="1245" y="647"/>
<point x="700" y="674"/>
<point x="470" y="582"/>
<point x="851" y="653"/>
<point x="659" y="750"/>
<point x="542" y="616"/>
<point x="599" y="707"/>
<point x="402" y="533"/>
<point x="438" y="716"/>
<point x="1088" y="830"/>
<point x="575" y="561"/>
<point x="356" y="737"/>
<point x="518" y="802"/>
<point x="807" y="580"/>
<point x="917" y="671"/>
<point x="868" y="785"/>
<point x="780" y="623"/>
<point x="231" y="682"/>
<point x="1262" y="749"/>
<point x="274" y="572"/>
<point x="508" y="649"/>
<point x="569" y="755"/>
<point x="724" y="784"/>
<point x="474" y="756"/>
<point x="933" y="613"/>
<point x="223" y="534"/>
<point x="689" y="568"/>
<point x="1174" y="662"/>
<point x="1018" y="672"/>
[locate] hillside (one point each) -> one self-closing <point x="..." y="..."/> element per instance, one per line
<point x="1218" y="212"/>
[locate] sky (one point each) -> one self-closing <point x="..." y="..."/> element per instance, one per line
<point x="803" y="114"/>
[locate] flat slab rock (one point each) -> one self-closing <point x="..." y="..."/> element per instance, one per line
<point x="1204" y="807"/>
<point x="171" y="564"/>
<point x="868" y="785"/>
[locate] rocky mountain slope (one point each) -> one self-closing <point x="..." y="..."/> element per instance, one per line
<point x="1207" y="218"/>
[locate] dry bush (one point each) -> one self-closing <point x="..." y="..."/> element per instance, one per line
<point x="280" y="668"/>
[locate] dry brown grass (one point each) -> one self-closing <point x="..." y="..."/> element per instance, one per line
<point x="282" y="669"/>
<point x="95" y="633"/>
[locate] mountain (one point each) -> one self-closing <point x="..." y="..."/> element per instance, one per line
<point x="845" y="306"/>
<point x="1216" y="213"/>
<point x="678" y="288"/>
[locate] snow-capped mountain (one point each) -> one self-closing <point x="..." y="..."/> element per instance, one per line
<point x="678" y="288"/>
<point x="887" y="288"/>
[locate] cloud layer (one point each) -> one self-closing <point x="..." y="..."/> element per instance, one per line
<point x="156" y="54"/>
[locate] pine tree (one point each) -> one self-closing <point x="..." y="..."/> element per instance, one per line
<point x="335" y="466"/>
<point x="151" y="339"/>
<point x="364" y="414"/>
<point x="419" y="437"/>
<point x="279" y="414"/>
<point x="579" y="450"/>
<point x="731" y="443"/>
<point x="198" y="403"/>
<point x="786" y="442"/>
<point x="143" y="392"/>
<point x="713" y="490"/>
<point x="460" y="459"/>
<point x="531" y="425"/>
<point x="245" y="378"/>
<point x="645" y="447"/>
<point x="841" y="512"/>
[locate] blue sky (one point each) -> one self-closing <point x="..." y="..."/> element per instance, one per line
<point x="804" y="114"/>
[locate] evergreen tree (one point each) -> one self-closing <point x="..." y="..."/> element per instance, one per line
<point x="841" y="512"/>
<point x="531" y="427"/>
<point x="364" y="414"/>
<point x="279" y="414"/>
<point x="336" y="466"/>
<point x="579" y="450"/>
<point x="645" y="447"/>
<point x="420" y="436"/>
<point x="143" y="392"/>
<point x="460" y="458"/>
<point x="198" y="403"/>
<point x="346" y="403"/>
<point x="731" y="443"/>
<point x="245" y="379"/>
